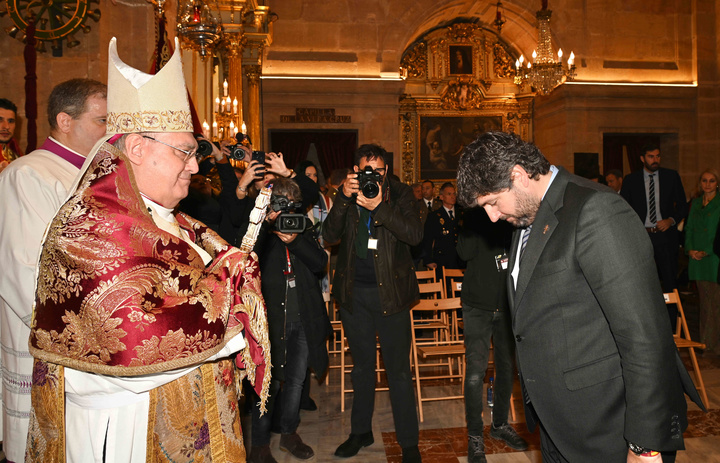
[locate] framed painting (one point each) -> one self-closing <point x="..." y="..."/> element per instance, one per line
<point x="443" y="139"/>
<point x="460" y="59"/>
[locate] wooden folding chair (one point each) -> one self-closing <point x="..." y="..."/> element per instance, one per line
<point x="434" y="290"/>
<point x="452" y="279"/>
<point x="682" y="340"/>
<point x="425" y="276"/>
<point x="440" y="346"/>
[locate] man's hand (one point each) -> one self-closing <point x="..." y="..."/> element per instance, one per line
<point x="350" y="186"/>
<point x="286" y="237"/>
<point x="633" y="458"/>
<point x="431" y="265"/>
<point x="369" y="204"/>
<point x="664" y="224"/>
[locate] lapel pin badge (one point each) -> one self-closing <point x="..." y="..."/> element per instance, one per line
<point x="545" y="229"/>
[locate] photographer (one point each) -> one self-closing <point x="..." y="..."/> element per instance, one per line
<point x="298" y="325"/>
<point x="376" y="221"/>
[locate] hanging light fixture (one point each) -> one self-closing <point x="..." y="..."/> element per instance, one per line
<point x="197" y="27"/>
<point x="499" y="19"/>
<point x="545" y="73"/>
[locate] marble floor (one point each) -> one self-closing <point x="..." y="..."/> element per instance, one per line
<point x="443" y="437"/>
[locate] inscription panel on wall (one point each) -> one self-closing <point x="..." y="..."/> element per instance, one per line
<point x="315" y="116"/>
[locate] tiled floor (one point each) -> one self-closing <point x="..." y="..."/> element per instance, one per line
<point x="443" y="435"/>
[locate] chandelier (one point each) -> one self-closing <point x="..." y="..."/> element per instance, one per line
<point x="197" y="26"/>
<point x="545" y="73"/>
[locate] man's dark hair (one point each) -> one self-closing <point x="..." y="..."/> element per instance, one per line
<point x="615" y="172"/>
<point x="8" y="105"/>
<point x="647" y="147"/>
<point x="486" y="164"/>
<point x="428" y="181"/>
<point x="71" y="97"/>
<point x="338" y="175"/>
<point x="288" y="188"/>
<point x="370" y="151"/>
<point x="447" y="184"/>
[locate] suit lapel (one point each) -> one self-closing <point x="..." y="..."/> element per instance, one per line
<point x="544" y="226"/>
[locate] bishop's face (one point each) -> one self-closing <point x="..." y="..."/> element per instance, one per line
<point x="166" y="171"/>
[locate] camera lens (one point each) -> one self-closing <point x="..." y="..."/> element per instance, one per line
<point x="204" y="148"/>
<point x="370" y="189"/>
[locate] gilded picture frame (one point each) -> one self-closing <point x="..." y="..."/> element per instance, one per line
<point x="442" y="140"/>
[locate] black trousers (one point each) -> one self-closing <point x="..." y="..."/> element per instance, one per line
<point x="393" y="331"/>
<point x="665" y="248"/>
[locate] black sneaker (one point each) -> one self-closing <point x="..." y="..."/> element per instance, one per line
<point x="355" y="442"/>
<point x="476" y="449"/>
<point x="507" y="434"/>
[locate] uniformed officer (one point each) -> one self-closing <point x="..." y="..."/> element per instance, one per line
<point x="441" y="232"/>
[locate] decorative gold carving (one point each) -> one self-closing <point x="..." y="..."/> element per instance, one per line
<point x="503" y="64"/>
<point x="462" y="32"/>
<point x="462" y="94"/>
<point x="414" y="63"/>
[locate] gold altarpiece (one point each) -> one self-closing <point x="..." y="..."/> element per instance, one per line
<point x="458" y="85"/>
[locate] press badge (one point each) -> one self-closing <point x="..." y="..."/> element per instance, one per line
<point x="501" y="262"/>
<point x="291" y="281"/>
<point x="372" y="243"/>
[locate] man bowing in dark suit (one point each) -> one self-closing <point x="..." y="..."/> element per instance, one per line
<point x="657" y="196"/>
<point x="599" y="370"/>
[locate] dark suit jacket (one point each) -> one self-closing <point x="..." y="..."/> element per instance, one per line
<point x="595" y="353"/>
<point x="672" y="194"/>
<point x="440" y="238"/>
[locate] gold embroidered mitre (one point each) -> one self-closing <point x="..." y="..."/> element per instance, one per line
<point x="140" y="102"/>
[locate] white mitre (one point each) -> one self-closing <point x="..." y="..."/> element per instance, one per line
<point x="140" y="102"/>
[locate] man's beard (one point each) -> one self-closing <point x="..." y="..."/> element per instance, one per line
<point x="526" y="208"/>
<point x="652" y="167"/>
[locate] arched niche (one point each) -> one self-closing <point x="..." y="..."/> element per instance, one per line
<point x="459" y="83"/>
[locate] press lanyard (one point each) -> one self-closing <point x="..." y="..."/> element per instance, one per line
<point x="288" y="268"/>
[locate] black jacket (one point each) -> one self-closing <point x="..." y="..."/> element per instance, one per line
<point x="397" y="226"/>
<point x="308" y="261"/>
<point x="481" y="241"/>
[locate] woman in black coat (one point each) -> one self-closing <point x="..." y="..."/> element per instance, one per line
<point x="291" y="265"/>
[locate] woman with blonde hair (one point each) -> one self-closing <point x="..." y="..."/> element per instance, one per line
<point x="700" y="230"/>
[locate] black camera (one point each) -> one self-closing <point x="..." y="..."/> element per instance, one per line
<point x="369" y="182"/>
<point x="287" y="221"/>
<point x="205" y="147"/>
<point x="237" y="152"/>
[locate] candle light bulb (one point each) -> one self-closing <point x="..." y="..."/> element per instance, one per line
<point x="534" y="55"/>
<point x="244" y="128"/>
<point x="560" y="53"/>
<point x="522" y="59"/>
<point x="517" y="64"/>
<point x="225" y="88"/>
<point x="217" y="104"/>
<point x="235" y="106"/>
<point x="571" y="59"/>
